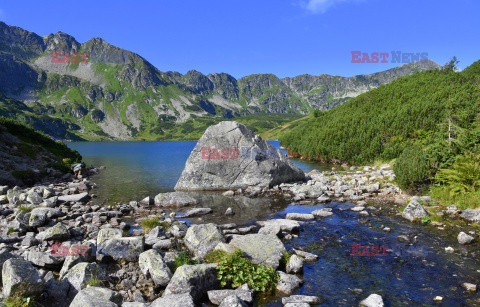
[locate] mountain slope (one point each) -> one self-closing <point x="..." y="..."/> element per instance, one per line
<point x="105" y="92"/>
<point x="427" y="109"/>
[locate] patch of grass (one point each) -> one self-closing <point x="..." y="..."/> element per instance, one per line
<point x="94" y="282"/>
<point x="182" y="258"/>
<point x="150" y="223"/>
<point x="215" y="256"/>
<point x="10" y="231"/>
<point x="236" y="270"/>
<point x="25" y="208"/>
<point x="285" y="258"/>
<point x="443" y="195"/>
<point x="18" y="301"/>
<point x="427" y="219"/>
<point x="23" y="174"/>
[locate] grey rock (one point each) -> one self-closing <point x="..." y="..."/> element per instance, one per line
<point x="174" y="300"/>
<point x="40" y="216"/>
<point x="155" y="235"/>
<point x="197" y="212"/>
<point x="296" y="304"/>
<point x="128" y="248"/>
<point x="228" y="193"/>
<point x="373" y="300"/>
<point x="464" y="239"/>
<point x="93" y="296"/>
<point x="295" y="264"/>
<point x="261" y="249"/>
<point x="233" y="301"/>
<point x="43" y="259"/>
<point x="323" y="212"/>
<point x="414" y="210"/>
<point x="20" y="277"/>
<point x="134" y="304"/>
<point x="300" y="216"/>
<point x="175" y="199"/>
<point x="287" y="283"/>
<point x="79" y="275"/>
<point x="58" y="233"/>
<point x="82" y="197"/>
<point x="34" y="198"/>
<point x="178" y="230"/>
<point x="3" y="189"/>
<point x="217" y="296"/>
<point x="195" y="280"/>
<point x="313" y="300"/>
<point x="308" y="257"/>
<point x="472" y="215"/>
<point x="151" y="262"/>
<point x="163" y="244"/>
<point x="229" y="211"/>
<point x="108" y="233"/>
<point x="257" y="163"/>
<point x="57" y="292"/>
<point x="201" y="239"/>
<point x="284" y="224"/>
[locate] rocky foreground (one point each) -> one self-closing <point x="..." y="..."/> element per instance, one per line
<point x="61" y="249"/>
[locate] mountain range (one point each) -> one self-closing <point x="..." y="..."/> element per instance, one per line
<point x="95" y="90"/>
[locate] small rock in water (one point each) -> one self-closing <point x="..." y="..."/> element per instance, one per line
<point x="300" y="216"/>
<point x="463" y="238"/>
<point x="469" y="286"/>
<point x="229" y="193"/>
<point x="386" y="229"/>
<point x="229" y="211"/>
<point x="449" y="249"/>
<point x="438" y="298"/>
<point x="373" y="300"/>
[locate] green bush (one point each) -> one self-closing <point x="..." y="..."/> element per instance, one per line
<point x="236" y="269"/>
<point x="182" y="258"/>
<point x="412" y="168"/>
<point x="149" y="223"/>
<point x="462" y="177"/>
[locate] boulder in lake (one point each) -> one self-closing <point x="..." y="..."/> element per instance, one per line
<point x="230" y="156"/>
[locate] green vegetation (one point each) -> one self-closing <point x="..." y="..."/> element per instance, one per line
<point x="25" y="208"/>
<point x="94" y="282"/>
<point x="412" y="168"/>
<point x="32" y="137"/>
<point x="429" y="122"/>
<point x="235" y="270"/>
<point x="18" y="301"/>
<point x="182" y="258"/>
<point x="149" y="223"/>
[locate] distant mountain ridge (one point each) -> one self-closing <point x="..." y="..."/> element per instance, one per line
<point x="118" y="94"/>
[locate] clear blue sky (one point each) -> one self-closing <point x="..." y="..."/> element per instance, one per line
<point x="242" y="37"/>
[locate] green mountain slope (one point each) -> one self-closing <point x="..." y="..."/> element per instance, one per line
<point x="111" y="93"/>
<point x="419" y="109"/>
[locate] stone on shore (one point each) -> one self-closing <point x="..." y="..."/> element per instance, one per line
<point x="261" y="249"/>
<point x="294" y="264"/>
<point x="79" y="275"/>
<point x="288" y="283"/>
<point x="201" y="239"/>
<point x="414" y="211"/>
<point x="82" y="197"/>
<point x="230" y="156"/>
<point x="233" y="301"/>
<point x="175" y="199"/>
<point x="324" y="212"/>
<point x="216" y="297"/>
<point x="93" y="296"/>
<point x="59" y="232"/>
<point x="21" y="278"/>
<point x="174" y="300"/>
<point x="128" y="248"/>
<point x="195" y="280"/>
<point x="151" y="262"/>
<point x="472" y="215"/>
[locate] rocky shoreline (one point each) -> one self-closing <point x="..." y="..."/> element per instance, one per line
<point x="60" y="248"/>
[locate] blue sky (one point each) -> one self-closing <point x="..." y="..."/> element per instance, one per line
<point x="242" y="37"/>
